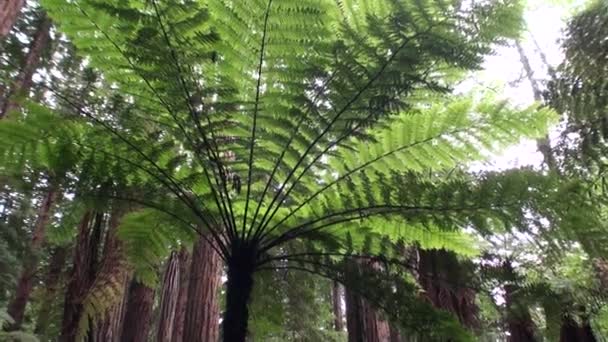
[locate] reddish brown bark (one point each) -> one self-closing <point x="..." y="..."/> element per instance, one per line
<point x="363" y="322"/>
<point x="85" y="260"/>
<point x="23" y="82"/>
<point x="9" y="12"/>
<point x="182" y="296"/>
<point x="110" y="326"/>
<point x="168" y="299"/>
<point x="114" y="272"/>
<point x="441" y="274"/>
<point x="25" y="283"/>
<point x="202" y="310"/>
<point x="336" y="298"/>
<point x="138" y="314"/>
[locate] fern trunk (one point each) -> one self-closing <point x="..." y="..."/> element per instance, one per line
<point x="182" y="296"/>
<point x="241" y="266"/>
<point x="23" y="82"/>
<point x="363" y="322"/>
<point x="202" y="310"/>
<point x="138" y="313"/>
<point x="25" y="283"/>
<point x="9" y="12"/>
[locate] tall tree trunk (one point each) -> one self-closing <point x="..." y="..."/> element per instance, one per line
<point x="363" y="323"/>
<point x="182" y="296"/>
<point x="16" y="307"/>
<point x="23" y="83"/>
<point x="9" y="12"/>
<point x="439" y="273"/>
<point x="114" y="272"/>
<point x="202" y="310"/>
<point x="138" y="313"/>
<point x="168" y="299"/>
<point x="51" y="290"/>
<point x="85" y="260"/>
<point x="336" y="298"/>
<point x="241" y="266"/>
<point x="109" y="327"/>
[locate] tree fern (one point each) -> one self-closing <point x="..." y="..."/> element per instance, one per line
<point x="272" y="122"/>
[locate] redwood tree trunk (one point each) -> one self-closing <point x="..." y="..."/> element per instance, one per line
<point x="182" y="296"/>
<point x="83" y="273"/>
<point x="138" y="314"/>
<point x="363" y="323"/>
<point x="113" y="266"/>
<point x="168" y="299"/>
<point x="9" y="12"/>
<point x="16" y="307"/>
<point x="241" y="266"/>
<point x="23" y="83"/>
<point x="336" y="298"/>
<point x="440" y="273"/>
<point x="202" y="308"/>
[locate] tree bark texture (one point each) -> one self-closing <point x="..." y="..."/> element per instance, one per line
<point x="9" y="12"/>
<point x="169" y="295"/>
<point x="85" y="260"/>
<point x="363" y="323"/>
<point x="25" y="283"/>
<point x="52" y="286"/>
<point x="23" y="82"/>
<point x="182" y="296"/>
<point x="336" y="298"/>
<point x="442" y="276"/>
<point x="202" y="308"/>
<point x="138" y="313"/>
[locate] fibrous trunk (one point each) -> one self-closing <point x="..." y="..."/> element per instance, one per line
<point x="202" y="308"/>
<point x="9" y="12"/>
<point x="241" y="266"/>
<point x="25" y="283"/>
<point x="138" y="313"/>
<point x="23" y="82"/>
